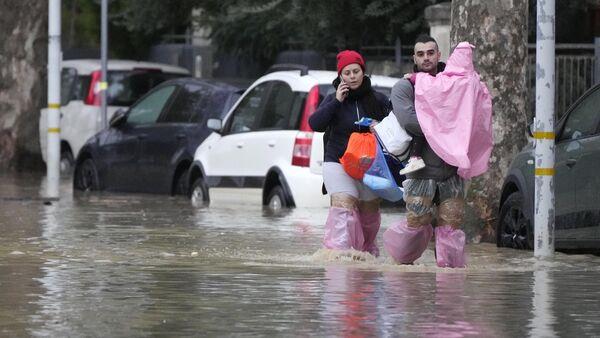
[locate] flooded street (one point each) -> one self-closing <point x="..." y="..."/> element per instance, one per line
<point x="127" y="265"/>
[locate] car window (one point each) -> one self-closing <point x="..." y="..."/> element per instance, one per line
<point x="188" y="102"/>
<point x="68" y="80"/>
<point x="148" y="110"/>
<point x="280" y="108"/>
<point x="211" y="105"/>
<point x="126" y="87"/>
<point x="229" y="102"/>
<point x="219" y="103"/>
<point x="583" y="119"/>
<point x="252" y="105"/>
<point x="325" y="90"/>
<point x="82" y="87"/>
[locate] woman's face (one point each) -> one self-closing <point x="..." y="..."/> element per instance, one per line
<point x="353" y="75"/>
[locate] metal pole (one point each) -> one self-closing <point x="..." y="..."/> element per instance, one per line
<point x="597" y="60"/>
<point x="54" y="59"/>
<point x="398" y="53"/>
<point x="544" y="130"/>
<point x="103" y="57"/>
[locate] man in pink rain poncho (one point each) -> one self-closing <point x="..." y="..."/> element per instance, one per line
<point x="451" y="108"/>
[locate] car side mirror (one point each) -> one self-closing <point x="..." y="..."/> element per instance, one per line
<point x="215" y="124"/>
<point x="118" y="118"/>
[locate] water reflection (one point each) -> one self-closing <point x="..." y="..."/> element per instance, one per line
<point x="350" y="301"/>
<point x="543" y="320"/>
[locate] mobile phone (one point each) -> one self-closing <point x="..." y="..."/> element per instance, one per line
<point x="342" y="82"/>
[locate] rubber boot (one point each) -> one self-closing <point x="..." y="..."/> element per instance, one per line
<point x="370" y="222"/>
<point x="406" y="244"/>
<point x="342" y="230"/>
<point x="450" y="247"/>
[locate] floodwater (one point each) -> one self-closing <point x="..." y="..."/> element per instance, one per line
<point x="127" y="265"/>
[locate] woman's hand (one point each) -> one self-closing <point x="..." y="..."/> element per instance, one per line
<point x="372" y="126"/>
<point x="342" y="91"/>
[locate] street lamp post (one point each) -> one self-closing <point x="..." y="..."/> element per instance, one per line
<point x="103" y="58"/>
<point x="544" y="130"/>
<point x="53" y="117"/>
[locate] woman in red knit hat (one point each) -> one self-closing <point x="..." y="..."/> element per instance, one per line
<point x="354" y="217"/>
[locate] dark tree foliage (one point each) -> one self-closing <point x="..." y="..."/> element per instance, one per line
<point x="134" y="25"/>
<point x="574" y="21"/>
<point x="261" y="29"/>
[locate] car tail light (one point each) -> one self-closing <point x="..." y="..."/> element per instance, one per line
<point x="93" y="97"/>
<point x="303" y="142"/>
<point x="312" y="102"/>
<point x="302" y="147"/>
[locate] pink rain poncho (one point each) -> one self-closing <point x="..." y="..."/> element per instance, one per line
<point x="454" y="110"/>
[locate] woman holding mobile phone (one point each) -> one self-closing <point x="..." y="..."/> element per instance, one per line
<point x="354" y="218"/>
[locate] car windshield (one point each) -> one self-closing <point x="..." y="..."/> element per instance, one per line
<point x="125" y="87"/>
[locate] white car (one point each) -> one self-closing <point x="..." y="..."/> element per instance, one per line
<point x="80" y="112"/>
<point x="265" y="141"/>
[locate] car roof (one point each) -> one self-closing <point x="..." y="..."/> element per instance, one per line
<point x="215" y="83"/>
<point x="319" y="77"/>
<point x="87" y="66"/>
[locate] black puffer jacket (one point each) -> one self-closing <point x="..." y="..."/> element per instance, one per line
<point x="337" y="120"/>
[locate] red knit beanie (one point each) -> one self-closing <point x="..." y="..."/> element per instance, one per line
<point x="347" y="57"/>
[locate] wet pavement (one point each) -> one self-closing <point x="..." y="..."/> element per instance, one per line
<point x="128" y="265"/>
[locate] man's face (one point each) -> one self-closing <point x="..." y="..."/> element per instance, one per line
<point x="426" y="57"/>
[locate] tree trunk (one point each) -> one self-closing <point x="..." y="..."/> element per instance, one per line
<point x="23" y="59"/>
<point x="498" y="29"/>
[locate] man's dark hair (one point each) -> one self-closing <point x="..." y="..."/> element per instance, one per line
<point x="424" y="38"/>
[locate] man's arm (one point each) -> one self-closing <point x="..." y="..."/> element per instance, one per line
<point x="403" y="103"/>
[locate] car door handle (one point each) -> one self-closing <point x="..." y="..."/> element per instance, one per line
<point x="240" y="145"/>
<point x="571" y="162"/>
<point x="180" y="136"/>
<point x="142" y="137"/>
<point x="272" y="143"/>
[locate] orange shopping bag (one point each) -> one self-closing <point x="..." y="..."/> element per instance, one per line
<point x="359" y="155"/>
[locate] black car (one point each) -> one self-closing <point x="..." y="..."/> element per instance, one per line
<point x="576" y="184"/>
<point x="149" y="147"/>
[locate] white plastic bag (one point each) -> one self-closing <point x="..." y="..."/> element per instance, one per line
<point x="392" y="136"/>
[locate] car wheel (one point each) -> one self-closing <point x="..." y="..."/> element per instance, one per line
<point x="514" y="230"/>
<point x="276" y="198"/>
<point x="86" y="176"/>
<point x="66" y="163"/>
<point x="199" y="193"/>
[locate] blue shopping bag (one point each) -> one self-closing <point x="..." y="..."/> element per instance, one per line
<point x="380" y="179"/>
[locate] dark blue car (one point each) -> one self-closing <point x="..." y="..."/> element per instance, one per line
<point x="149" y="147"/>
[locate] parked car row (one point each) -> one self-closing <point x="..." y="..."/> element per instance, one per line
<point x="183" y="138"/>
<point x="150" y="146"/>
<point x="80" y="113"/>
